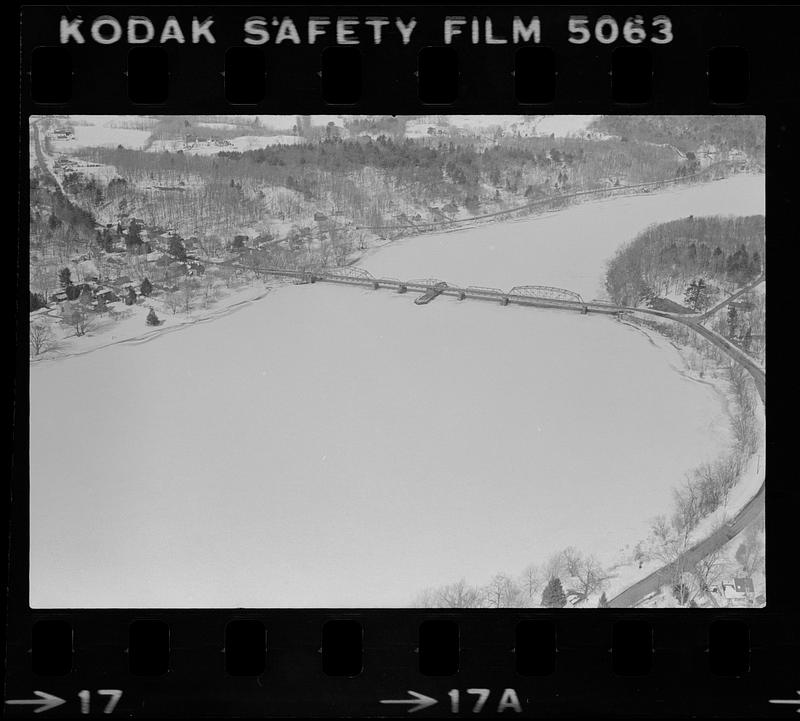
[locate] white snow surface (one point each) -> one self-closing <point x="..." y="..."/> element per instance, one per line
<point x="333" y="446"/>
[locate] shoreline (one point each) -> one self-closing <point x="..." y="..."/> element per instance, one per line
<point x="360" y="259"/>
<point x="747" y="488"/>
<point x="528" y="212"/>
<point x="211" y="314"/>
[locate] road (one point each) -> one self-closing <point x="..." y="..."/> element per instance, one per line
<point x="707" y="314"/>
<point x="551" y="199"/>
<point x="40" y="156"/>
<point x="635" y="593"/>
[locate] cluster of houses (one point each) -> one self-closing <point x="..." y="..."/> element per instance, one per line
<point x="104" y="294"/>
<point x="190" y="140"/>
<point x="110" y="291"/>
<point x="63" y="134"/>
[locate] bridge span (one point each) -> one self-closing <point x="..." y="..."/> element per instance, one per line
<point x="528" y="295"/>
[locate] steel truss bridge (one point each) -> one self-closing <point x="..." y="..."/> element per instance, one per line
<point x="530" y="295"/>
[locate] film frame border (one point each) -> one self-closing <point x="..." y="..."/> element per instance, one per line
<point x="680" y="680"/>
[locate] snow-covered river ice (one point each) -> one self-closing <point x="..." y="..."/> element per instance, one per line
<point x="336" y="446"/>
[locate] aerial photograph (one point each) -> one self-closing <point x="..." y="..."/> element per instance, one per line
<point x="378" y="361"/>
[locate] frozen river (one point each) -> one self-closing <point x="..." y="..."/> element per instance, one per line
<point x="333" y="446"/>
<point x="567" y="249"/>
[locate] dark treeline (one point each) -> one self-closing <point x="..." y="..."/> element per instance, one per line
<point x="447" y="167"/>
<point x="54" y="213"/>
<point x="666" y="257"/>
<point x="371" y="182"/>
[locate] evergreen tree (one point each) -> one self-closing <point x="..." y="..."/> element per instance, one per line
<point x="36" y="301"/>
<point x="755" y="265"/>
<point x="603" y="602"/>
<point x="134" y="238"/>
<point x="146" y="288"/>
<point x="130" y="296"/>
<point x="65" y="277"/>
<point x="747" y="338"/>
<point x="553" y="595"/>
<point x="152" y="318"/>
<point x="696" y="296"/>
<point x="176" y="248"/>
<point x="733" y="320"/>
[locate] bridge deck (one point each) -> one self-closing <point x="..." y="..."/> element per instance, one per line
<point x="471" y="292"/>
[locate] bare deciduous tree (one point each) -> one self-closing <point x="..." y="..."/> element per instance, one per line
<point x="531" y="584"/>
<point x="188" y="292"/>
<point x="586" y="575"/>
<point x="76" y="315"/>
<point x="501" y="592"/>
<point x="172" y="301"/>
<point x="453" y="595"/>
<point x="42" y="338"/>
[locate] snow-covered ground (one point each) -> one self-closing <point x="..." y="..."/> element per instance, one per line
<point x="128" y="323"/>
<point x="331" y="446"/>
<point x="238" y="144"/>
<point x="103" y="130"/>
<point x="564" y="125"/>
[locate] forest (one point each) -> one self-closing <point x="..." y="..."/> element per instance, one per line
<point x="727" y="252"/>
<point x="371" y="183"/>
<point x="689" y="133"/>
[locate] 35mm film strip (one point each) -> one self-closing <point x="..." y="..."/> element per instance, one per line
<point x="392" y="360"/>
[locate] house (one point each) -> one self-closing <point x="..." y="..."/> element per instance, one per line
<point x="59" y="296"/>
<point x="177" y="268"/>
<point x="739" y="591"/>
<point x="107" y="294"/>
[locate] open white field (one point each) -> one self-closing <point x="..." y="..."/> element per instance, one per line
<point x="567" y="249"/>
<point x="105" y="130"/>
<point x="332" y="446"/>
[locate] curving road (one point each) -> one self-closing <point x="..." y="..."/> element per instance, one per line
<point x="649" y="584"/>
<point x="707" y="314"/>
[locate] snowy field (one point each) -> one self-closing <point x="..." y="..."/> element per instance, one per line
<point x="332" y="446"/>
<point x="103" y="131"/>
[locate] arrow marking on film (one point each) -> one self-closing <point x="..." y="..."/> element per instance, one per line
<point x="46" y="701"/>
<point x="792" y="701"/>
<point x="419" y="702"/>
